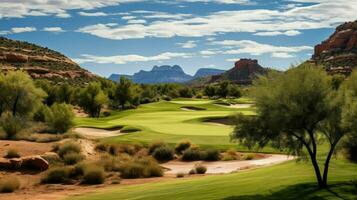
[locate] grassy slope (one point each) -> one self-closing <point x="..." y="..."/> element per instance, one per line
<point x="167" y="121"/>
<point x="286" y="181"/>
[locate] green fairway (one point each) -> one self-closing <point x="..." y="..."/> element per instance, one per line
<point x="286" y="181"/>
<point x="167" y="121"/>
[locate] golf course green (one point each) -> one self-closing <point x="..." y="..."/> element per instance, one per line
<point x="172" y="121"/>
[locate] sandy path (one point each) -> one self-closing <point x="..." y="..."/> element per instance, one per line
<point x="94" y="133"/>
<point x="221" y="167"/>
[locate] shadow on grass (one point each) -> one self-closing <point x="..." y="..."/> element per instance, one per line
<point x="338" y="191"/>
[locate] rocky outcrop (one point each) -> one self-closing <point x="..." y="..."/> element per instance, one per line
<point x="339" y="52"/>
<point x="243" y="72"/>
<point x="36" y="163"/>
<point x="40" y="62"/>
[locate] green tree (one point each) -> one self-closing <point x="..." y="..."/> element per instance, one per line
<point x="64" y="93"/>
<point x="124" y="92"/>
<point x="92" y="99"/>
<point x="294" y="111"/>
<point x="50" y="90"/>
<point x="223" y="89"/>
<point x="59" y="117"/>
<point x="210" y="91"/>
<point x="186" y="92"/>
<point x="19" y="95"/>
<point x="234" y="91"/>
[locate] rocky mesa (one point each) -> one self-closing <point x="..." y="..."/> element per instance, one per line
<point x="339" y="52"/>
<point x="40" y="62"/>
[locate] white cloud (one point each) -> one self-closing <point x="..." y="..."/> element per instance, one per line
<point x="128" y="17"/>
<point x="92" y="14"/>
<point x="244" y="2"/>
<point x="276" y="33"/>
<point x="58" y="8"/>
<point x="257" y="49"/>
<point x="268" y="22"/>
<point x="22" y="29"/>
<point x="136" y="21"/>
<point x="53" y="29"/>
<point x="188" y="45"/>
<point x="282" y="55"/>
<point x="123" y="59"/>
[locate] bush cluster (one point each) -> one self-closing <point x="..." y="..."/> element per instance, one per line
<point x="163" y="153"/>
<point x="194" y="154"/>
<point x="70" y="152"/>
<point x="182" y="146"/>
<point x="140" y="168"/>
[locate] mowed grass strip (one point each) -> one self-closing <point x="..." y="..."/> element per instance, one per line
<point x="167" y="121"/>
<point x="285" y="181"/>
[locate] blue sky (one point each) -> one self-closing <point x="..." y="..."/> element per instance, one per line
<point x="125" y="36"/>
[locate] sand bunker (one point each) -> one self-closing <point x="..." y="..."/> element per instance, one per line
<point x="191" y="108"/>
<point x="238" y="106"/>
<point x="94" y="133"/>
<point x="222" y="167"/>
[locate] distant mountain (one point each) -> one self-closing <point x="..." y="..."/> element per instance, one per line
<point x="166" y="74"/>
<point x="243" y="72"/>
<point x="339" y="52"/>
<point x="116" y="77"/>
<point x="203" y="72"/>
<point x="41" y="62"/>
<point x="158" y="74"/>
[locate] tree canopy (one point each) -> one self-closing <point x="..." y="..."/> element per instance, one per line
<point x="295" y="110"/>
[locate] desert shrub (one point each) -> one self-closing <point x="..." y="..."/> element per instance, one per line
<point x="110" y="163"/>
<point x="191" y="155"/>
<point x="156" y="145"/>
<point x="52" y="158"/>
<point x="9" y="184"/>
<point x="40" y="114"/>
<point x="180" y="175"/>
<point x="12" y="153"/>
<point x="93" y="175"/>
<point x="60" y="117"/>
<point x="68" y="147"/>
<point x="182" y="146"/>
<point x="163" y="153"/>
<point x="228" y="157"/>
<point x="350" y="147"/>
<point x="140" y="168"/>
<point x="11" y="124"/>
<point x="200" y="169"/>
<point x="72" y="158"/>
<point x="211" y="155"/>
<point x="57" y="175"/>
<point x="192" y="171"/>
<point x="249" y="156"/>
<point x="102" y="147"/>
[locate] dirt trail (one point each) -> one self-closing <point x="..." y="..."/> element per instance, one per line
<point x="221" y="167"/>
<point x="94" y="133"/>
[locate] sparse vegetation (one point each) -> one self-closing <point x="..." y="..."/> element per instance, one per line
<point x="72" y="158"/>
<point x="140" y="168"/>
<point x="200" y="169"/>
<point x="12" y="153"/>
<point x="93" y="175"/>
<point x="11" y="124"/>
<point x="68" y="147"/>
<point x="163" y="153"/>
<point x="182" y="146"/>
<point x="57" y="175"/>
<point x="9" y="184"/>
